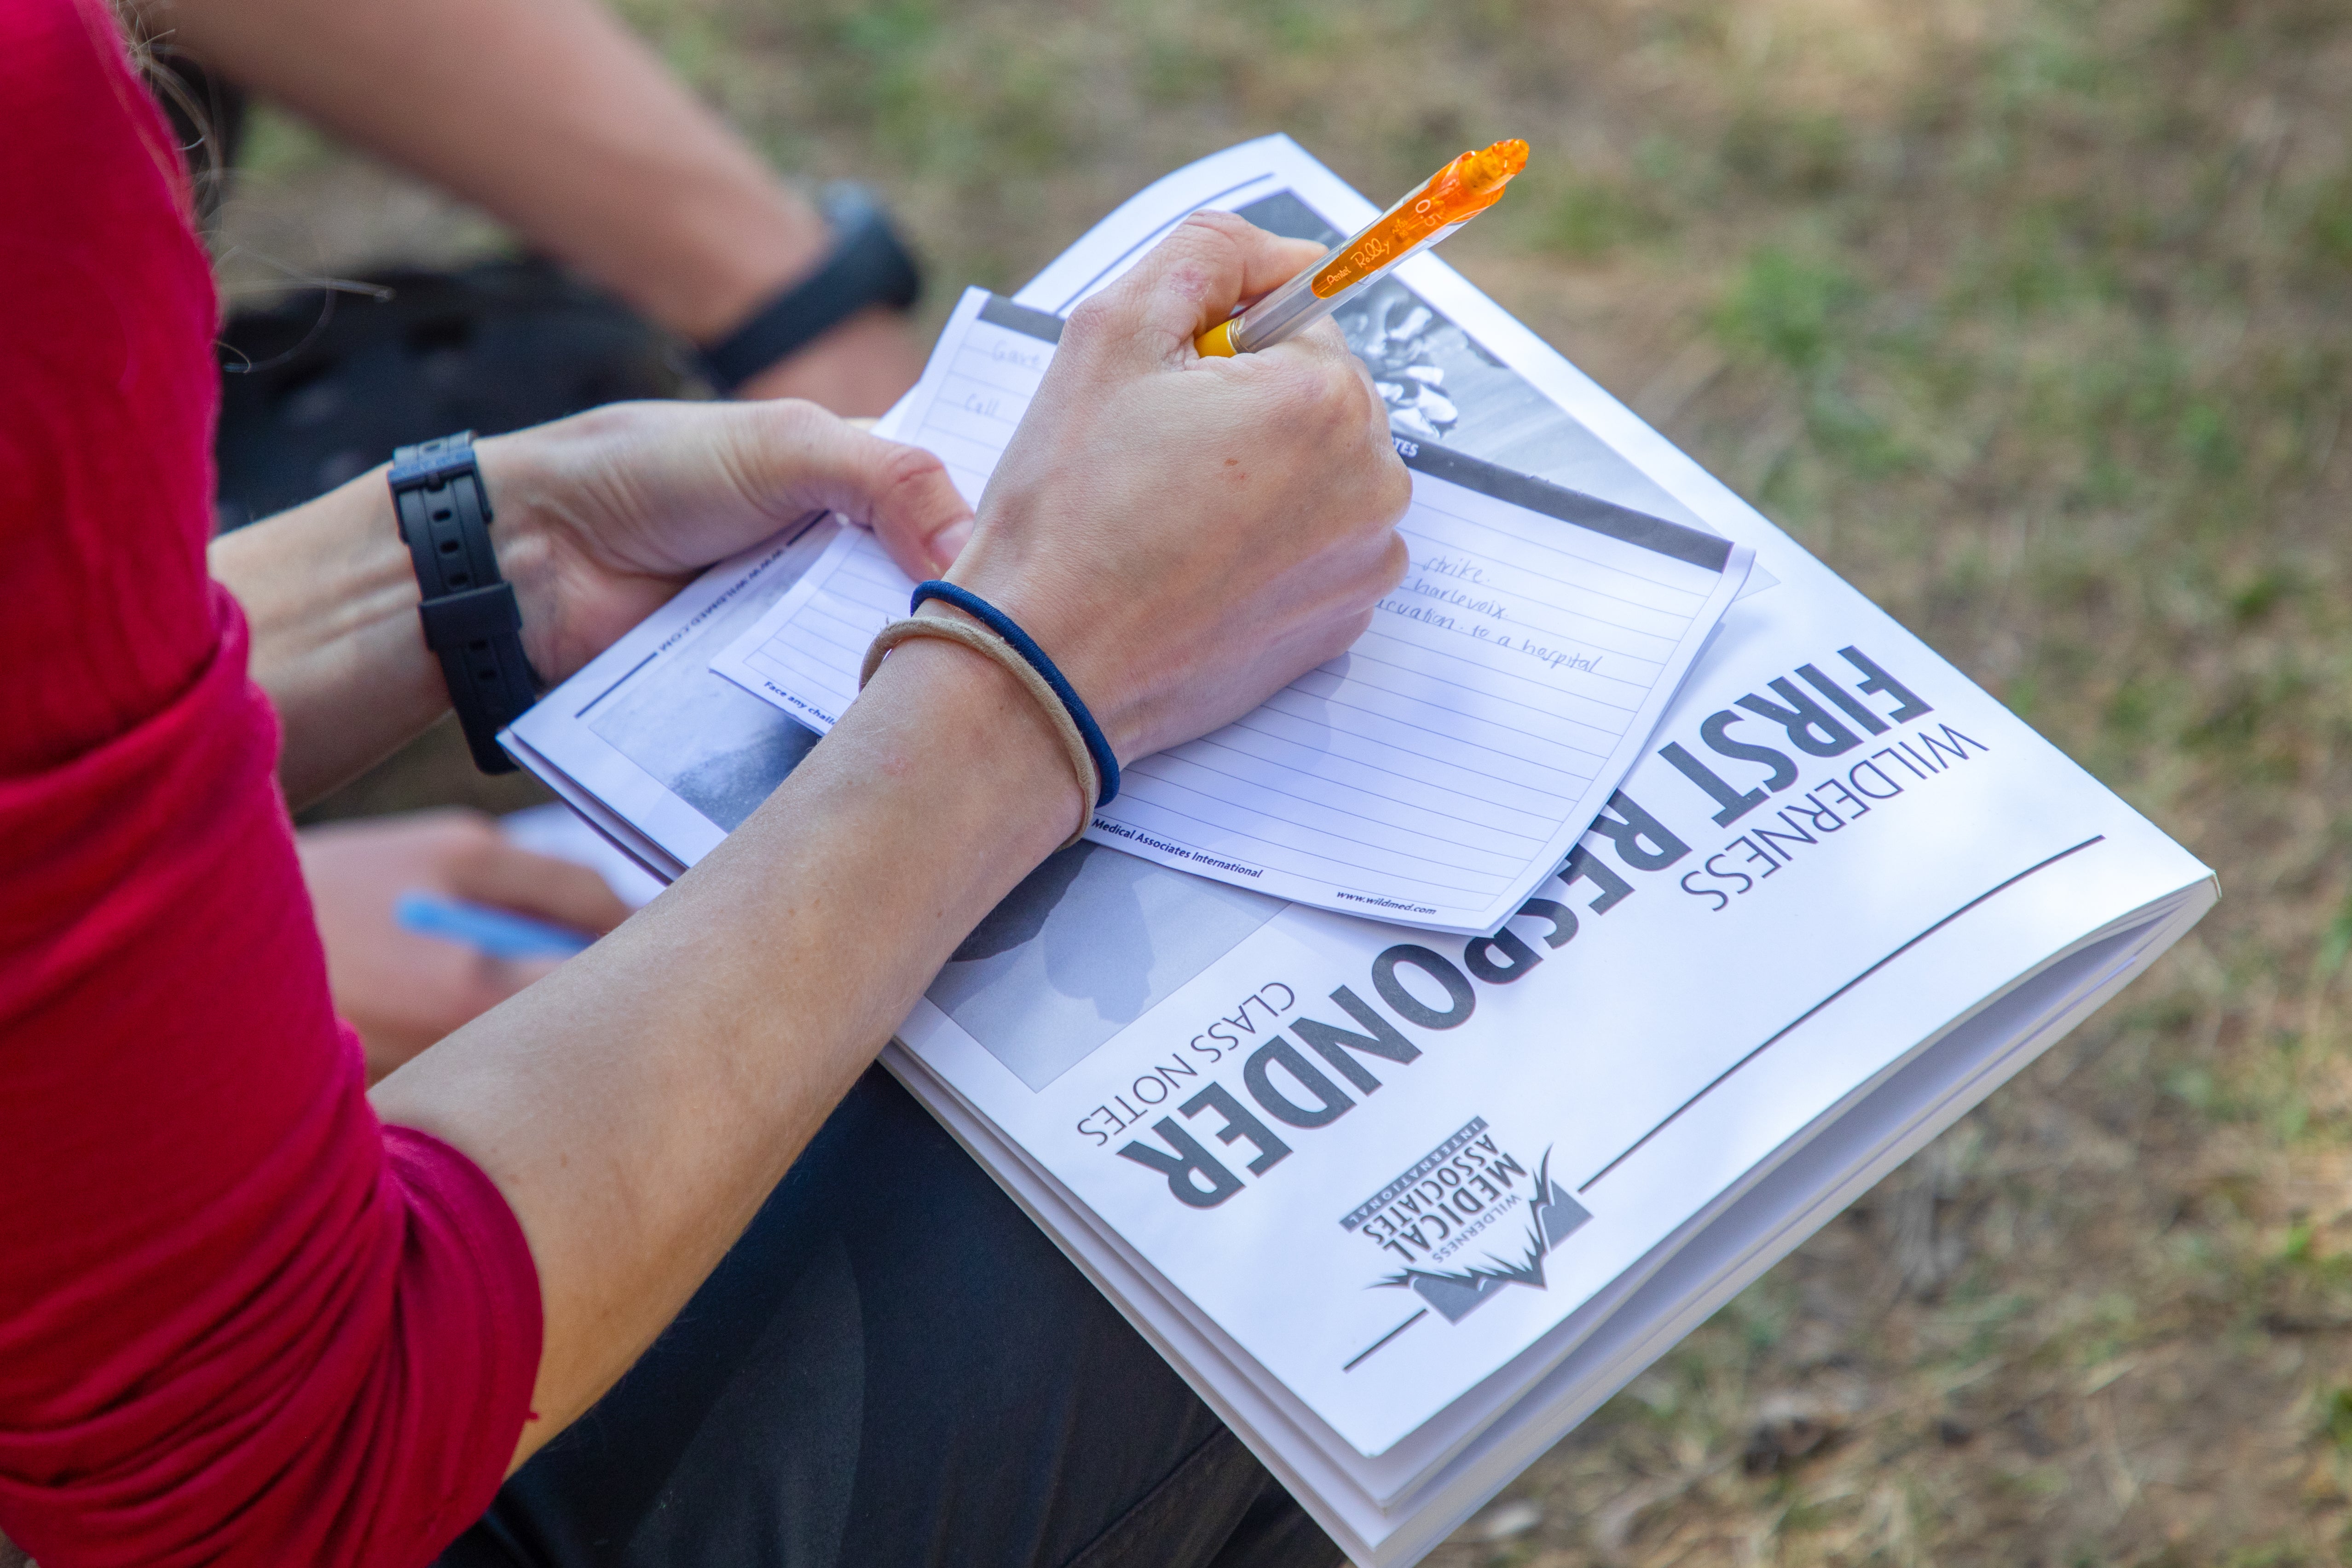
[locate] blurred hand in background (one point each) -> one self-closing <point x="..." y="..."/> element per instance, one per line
<point x="403" y="991"/>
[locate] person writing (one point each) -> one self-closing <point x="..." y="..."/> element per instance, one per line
<point x="251" y="1312"/>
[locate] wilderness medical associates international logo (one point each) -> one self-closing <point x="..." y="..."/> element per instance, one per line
<point x="1467" y="1219"/>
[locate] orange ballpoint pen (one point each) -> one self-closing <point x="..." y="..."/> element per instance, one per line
<point x="1453" y="197"/>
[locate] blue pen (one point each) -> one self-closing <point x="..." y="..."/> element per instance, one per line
<point x="494" y="932"/>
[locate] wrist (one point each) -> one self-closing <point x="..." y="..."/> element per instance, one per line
<point x="747" y="253"/>
<point x="940" y="608"/>
<point x="330" y="598"/>
<point x="971" y="717"/>
<point x="526" y="486"/>
<point x="1053" y="608"/>
<point x="471" y="618"/>
<point x="864" y="264"/>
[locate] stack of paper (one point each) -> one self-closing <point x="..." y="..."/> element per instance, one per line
<point x="1405" y="1207"/>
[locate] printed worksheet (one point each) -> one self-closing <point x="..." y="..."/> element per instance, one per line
<point x="1404" y="1209"/>
<point x="1435" y="773"/>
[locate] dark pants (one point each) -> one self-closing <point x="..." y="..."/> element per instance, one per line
<point x="894" y="1366"/>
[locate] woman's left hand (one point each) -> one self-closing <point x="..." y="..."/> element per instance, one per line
<point x="597" y="519"/>
<point x="601" y="516"/>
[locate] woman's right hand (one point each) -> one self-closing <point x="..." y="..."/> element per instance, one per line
<point x="1185" y="536"/>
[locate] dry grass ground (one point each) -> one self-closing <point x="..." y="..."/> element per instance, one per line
<point x="2034" y="318"/>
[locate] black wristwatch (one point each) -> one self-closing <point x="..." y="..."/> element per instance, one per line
<point x="867" y="266"/>
<point x="472" y="619"/>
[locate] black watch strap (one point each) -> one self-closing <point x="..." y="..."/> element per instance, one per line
<point x="867" y="266"/>
<point x="470" y="616"/>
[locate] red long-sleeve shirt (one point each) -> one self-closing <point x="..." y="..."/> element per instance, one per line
<point x="240" y="1321"/>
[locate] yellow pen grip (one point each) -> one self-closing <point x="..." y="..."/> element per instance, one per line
<point x="1217" y="343"/>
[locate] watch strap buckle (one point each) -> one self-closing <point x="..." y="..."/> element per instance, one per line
<point x="429" y="465"/>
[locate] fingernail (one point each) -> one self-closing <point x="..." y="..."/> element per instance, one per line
<point x="948" y="542"/>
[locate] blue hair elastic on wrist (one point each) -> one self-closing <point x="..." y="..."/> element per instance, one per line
<point x="1022" y="643"/>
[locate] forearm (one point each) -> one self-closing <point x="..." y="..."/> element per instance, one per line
<point x="331" y="597"/>
<point x="720" y="1027"/>
<point x="547" y="113"/>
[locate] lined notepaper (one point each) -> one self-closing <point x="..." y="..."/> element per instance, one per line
<point x="1433" y="773"/>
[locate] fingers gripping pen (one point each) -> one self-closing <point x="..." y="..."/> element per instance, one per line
<point x="1454" y="195"/>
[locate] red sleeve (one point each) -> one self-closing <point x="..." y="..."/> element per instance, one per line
<point x="240" y="1322"/>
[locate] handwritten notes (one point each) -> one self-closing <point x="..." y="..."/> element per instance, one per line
<point x="1435" y="773"/>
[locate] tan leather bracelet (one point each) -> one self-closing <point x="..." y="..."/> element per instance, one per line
<point x="987" y="644"/>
